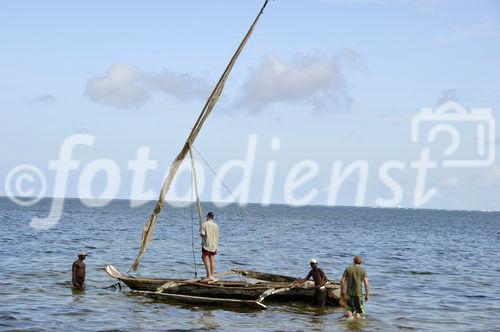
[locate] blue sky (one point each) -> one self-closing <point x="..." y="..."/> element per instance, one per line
<point x="355" y="74"/>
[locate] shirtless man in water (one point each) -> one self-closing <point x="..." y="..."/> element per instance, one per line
<point x="320" y="280"/>
<point x="78" y="271"/>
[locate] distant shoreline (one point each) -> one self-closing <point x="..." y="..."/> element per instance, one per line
<point x="276" y="204"/>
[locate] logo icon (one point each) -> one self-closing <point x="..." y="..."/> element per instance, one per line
<point x="477" y="127"/>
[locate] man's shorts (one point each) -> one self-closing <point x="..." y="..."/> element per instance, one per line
<point x="205" y="252"/>
<point x="320" y="297"/>
<point x="355" y="305"/>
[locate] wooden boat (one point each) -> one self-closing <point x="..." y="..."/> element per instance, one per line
<point x="228" y="293"/>
<point x="276" y="286"/>
<point x="202" y="300"/>
<point x="264" y="276"/>
<point x="221" y="289"/>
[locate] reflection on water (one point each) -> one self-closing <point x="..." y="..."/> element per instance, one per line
<point x="432" y="270"/>
<point x="208" y="321"/>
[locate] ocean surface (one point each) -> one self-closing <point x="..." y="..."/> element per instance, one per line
<point x="428" y="270"/>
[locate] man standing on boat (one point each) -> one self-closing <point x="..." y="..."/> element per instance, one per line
<point x="320" y="280"/>
<point x="209" y="232"/>
<point x="78" y="271"/>
<point x="354" y="275"/>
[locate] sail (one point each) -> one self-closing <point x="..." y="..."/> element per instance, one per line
<point x="148" y="230"/>
<point x="195" y="182"/>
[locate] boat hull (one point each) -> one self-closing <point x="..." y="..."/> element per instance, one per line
<point x="202" y="300"/>
<point x="227" y="289"/>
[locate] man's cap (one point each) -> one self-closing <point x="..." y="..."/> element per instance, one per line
<point x="313" y="261"/>
<point x="82" y="253"/>
<point x="210" y="215"/>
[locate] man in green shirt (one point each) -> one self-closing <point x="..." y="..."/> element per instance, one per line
<point x="351" y="284"/>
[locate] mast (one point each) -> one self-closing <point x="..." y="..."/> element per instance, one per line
<point x="148" y="230"/>
<point x="197" y="195"/>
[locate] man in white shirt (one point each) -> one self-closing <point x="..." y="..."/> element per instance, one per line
<point x="209" y="232"/>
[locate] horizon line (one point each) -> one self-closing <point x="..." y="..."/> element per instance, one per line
<point x="257" y="203"/>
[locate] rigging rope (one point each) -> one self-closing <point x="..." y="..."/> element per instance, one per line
<point x="222" y="182"/>
<point x="231" y="193"/>
<point x="148" y="229"/>
<point x="192" y="227"/>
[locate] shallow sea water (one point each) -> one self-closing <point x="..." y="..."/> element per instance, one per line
<point x="428" y="270"/>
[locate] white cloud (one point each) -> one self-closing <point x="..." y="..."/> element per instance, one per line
<point x="422" y="5"/>
<point x="181" y="86"/>
<point x="375" y="2"/>
<point x="124" y="86"/>
<point x="315" y="80"/>
<point x="490" y="178"/>
<point x="392" y="116"/>
<point x="452" y="182"/>
<point x="468" y="32"/>
<point x="121" y="86"/>
<point x="446" y="96"/>
<point x="42" y="100"/>
<point x="495" y="142"/>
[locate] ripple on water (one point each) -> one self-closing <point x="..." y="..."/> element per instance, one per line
<point x="424" y="273"/>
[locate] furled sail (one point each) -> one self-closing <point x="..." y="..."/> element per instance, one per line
<point x="195" y="182"/>
<point x="209" y="105"/>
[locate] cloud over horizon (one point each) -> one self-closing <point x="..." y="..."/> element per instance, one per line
<point x="314" y="80"/>
<point x="125" y="86"/>
<point x="452" y="182"/>
<point x="42" y="100"/>
<point x="489" y="177"/>
<point x="465" y="32"/>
